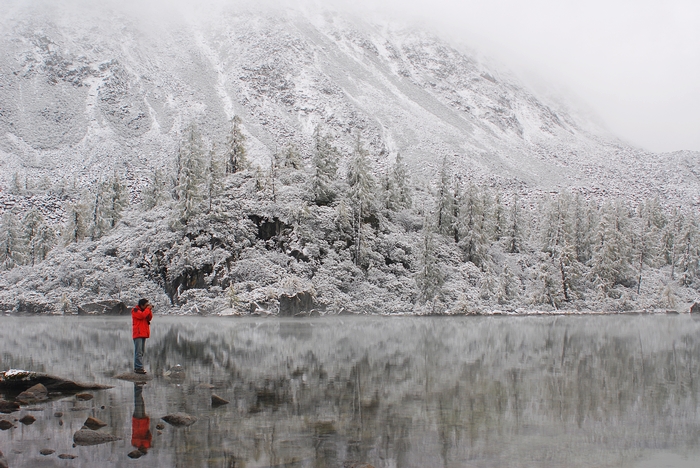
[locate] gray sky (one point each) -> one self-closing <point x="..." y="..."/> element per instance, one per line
<point x="635" y="62"/>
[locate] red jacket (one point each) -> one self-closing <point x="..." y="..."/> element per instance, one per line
<point x="141" y="433"/>
<point x="141" y="319"/>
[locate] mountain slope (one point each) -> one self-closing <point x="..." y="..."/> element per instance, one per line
<point x="83" y="91"/>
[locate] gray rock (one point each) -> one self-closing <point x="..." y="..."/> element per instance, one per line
<point x="133" y="377"/>
<point x="87" y="436"/>
<point x="109" y="307"/>
<point x="179" y="419"/>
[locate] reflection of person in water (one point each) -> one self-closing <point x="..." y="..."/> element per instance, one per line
<point x="140" y="423"/>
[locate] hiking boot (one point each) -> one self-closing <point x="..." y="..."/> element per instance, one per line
<point x="139" y="371"/>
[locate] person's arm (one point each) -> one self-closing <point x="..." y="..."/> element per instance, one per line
<point x="141" y="314"/>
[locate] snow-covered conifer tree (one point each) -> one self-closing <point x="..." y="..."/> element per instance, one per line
<point x="514" y="232"/>
<point x="190" y="173"/>
<point x="400" y="186"/>
<point x="235" y="148"/>
<point x="429" y="278"/>
<point x="156" y="192"/>
<point x="213" y="177"/>
<point x="610" y="264"/>
<point x="38" y="237"/>
<point x="116" y="198"/>
<point x="472" y="236"/>
<point x="362" y="193"/>
<point x="445" y="222"/>
<point x="325" y="169"/>
<point x="76" y="228"/>
<point x="689" y="251"/>
<point x="99" y="221"/>
<point x="12" y="247"/>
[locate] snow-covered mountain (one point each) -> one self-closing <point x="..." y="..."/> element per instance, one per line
<point x="85" y="89"/>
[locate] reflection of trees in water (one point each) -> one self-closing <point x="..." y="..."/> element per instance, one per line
<point x="425" y="392"/>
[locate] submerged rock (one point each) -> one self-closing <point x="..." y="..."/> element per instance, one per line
<point x="160" y="426"/>
<point x="46" y="451"/>
<point x="216" y="400"/>
<point x="84" y="396"/>
<point x="18" y="380"/>
<point x="87" y="436"/>
<point x="94" y="423"/>
<point x="179" y="419"/>
<point x="27" y="420"/>
<point x="67" y="456"/>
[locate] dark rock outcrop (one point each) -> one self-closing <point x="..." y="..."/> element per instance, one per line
<point x="19" y="380"/>
<point x="301" y="302"/>
<point x="179" y="419"/>
<point x="109" y="307"/>
<point x="87" y="436"/>
<point x="695" y="308"/>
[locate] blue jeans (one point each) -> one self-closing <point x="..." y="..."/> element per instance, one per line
<point x="139" y="348"/>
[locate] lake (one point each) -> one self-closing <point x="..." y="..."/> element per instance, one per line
<point x="580" y="391"/>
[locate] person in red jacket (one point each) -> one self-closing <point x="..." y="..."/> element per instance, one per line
<point x="141" y="317"/>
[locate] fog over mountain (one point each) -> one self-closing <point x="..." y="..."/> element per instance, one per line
<point x="89" y="92"/>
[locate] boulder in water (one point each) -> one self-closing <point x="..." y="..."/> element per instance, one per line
<point x="67" y="456"/>
<point x="216" y="400"/>
<point x="133" y="377"/>
<point x="94" y="423"/>
<point x="87" y="436"/>
<point x="84" y="396"/>
<point x="179" y="419"/>
<point x="18" y="380"/>
<point x="46" y="451"/>
<point x="27" y="420"/>
<point x="5" y="424"/>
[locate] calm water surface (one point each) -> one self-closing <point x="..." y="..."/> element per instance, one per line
<point x="390" y="392"/>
